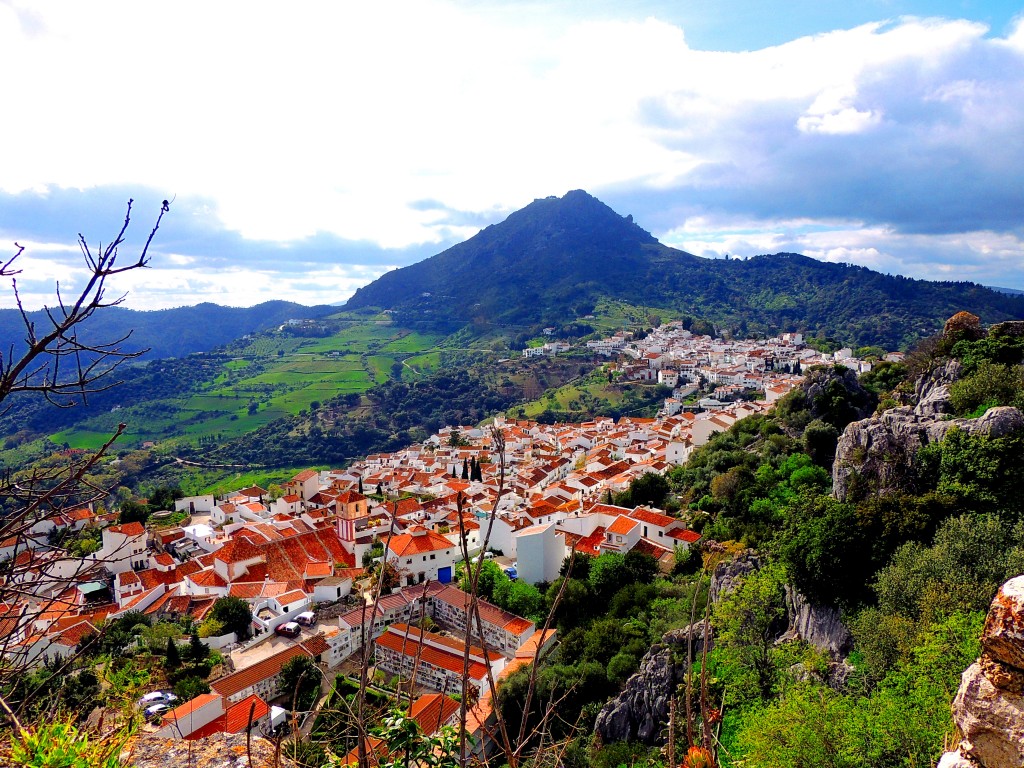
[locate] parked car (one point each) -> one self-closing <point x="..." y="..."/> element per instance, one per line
<point x="512" y="573"/>
<point x="289" y="629"/>
<point x="156" y="697"/>
<point x="157" y="711"/>
<point x="306" y="619"/>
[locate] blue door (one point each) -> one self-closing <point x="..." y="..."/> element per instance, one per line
<point x="444" y="575"/>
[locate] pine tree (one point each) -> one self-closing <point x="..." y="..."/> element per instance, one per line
<point x="173" y="660"/>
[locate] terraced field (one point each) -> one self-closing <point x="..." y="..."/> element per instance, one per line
<point x="267" y="376"/>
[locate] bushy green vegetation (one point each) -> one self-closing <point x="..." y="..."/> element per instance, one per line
<point x="912" y="570"/>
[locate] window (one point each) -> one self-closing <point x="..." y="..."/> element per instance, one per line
<point x="433" y="557"/>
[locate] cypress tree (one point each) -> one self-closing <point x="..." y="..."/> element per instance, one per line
<point x="173" y="660"/>
<point x="465" y="469"/>
<point x="197" y="649"/>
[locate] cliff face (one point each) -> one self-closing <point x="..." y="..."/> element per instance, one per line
<point x="876" y="455"/>
<point x="640" y="711"/>
<point x="989" y="706"/>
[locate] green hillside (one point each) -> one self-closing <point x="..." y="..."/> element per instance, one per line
<point x="552" y="262"/>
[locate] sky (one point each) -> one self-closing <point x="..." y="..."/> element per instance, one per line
<point x="306" y="148"/>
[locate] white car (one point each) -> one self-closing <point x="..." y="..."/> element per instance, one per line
<point x="156" y="711"/>
<point x="156" y="697"/>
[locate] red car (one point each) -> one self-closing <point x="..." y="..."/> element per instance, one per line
<point x="288" y="629"/>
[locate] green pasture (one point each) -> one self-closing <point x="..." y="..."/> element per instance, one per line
<point x="86" y="440"/>
<point x="380" y="366"/>
<point x="425" y="363"/>
<point x="411" y="342"/>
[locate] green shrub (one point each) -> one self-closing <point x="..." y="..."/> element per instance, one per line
<point x="60" y="744"/>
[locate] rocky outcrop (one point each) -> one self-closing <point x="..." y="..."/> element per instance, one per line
<point x="931" y="391"/>
<point x="989" y="706"/>
<point x="640" y="712"/>
<point x="876" y="455"/>
<point x="222" y="750"/>
<point x="819" y="387"/>
<point x="835" y="674"/>
<point x="1013" y="328"/>
<point x="819" y="625"/>
<point x="729" y="573"/>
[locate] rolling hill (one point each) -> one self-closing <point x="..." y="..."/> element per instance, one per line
<point x="176" y="332"/>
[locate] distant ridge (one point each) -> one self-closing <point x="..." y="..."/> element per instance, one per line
<point x="548" y="263"/>
<point x="170" y="332"/>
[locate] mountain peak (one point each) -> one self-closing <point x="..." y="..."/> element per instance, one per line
<point x="569" y="241"/>
<point x="578" y="209"/>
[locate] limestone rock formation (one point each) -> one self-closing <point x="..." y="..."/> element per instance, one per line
<point x="876" y="455"/>
<point x="989" y="706"/>
<point x="640" y="712"/>
<point x="729" y="573"/>
<point x="819" y="625"/>
<point x="1013" y="328"/>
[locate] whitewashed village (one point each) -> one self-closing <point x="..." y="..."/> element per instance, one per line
<point x="522" y="493"/>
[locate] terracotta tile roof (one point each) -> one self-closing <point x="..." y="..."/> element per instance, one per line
<point x="208" y="578"/>
<point x="622" y="526"/>
<point x="237" y="550"/>
<point x="690" y="537"/>
<point x="183" y="712"/>
<point x="178" y="604"/>
<point x="163" y="559"/>
<point x="128" y="529"/>
<point x="432" y="710"/>
<point x="200" y="607"/>
<point x="268" y="667"/>
<point x="252" y="492"/>
<point x="304" y="475"/>
<point x="489" y="612"/>
<point x="151" y="577"/>
<point x="291" y="597"/>
<point x="418" y="541"/>
<point x="73" y="636"/>
<point x="350" y="497"/>
<point x="652" y="518"/>
<point x="318" y="570"/>
<point x="246" y="591"/>
<point x="237" y="717"/>
<point x="589" y="544"/>
<point x="449" y="659"/>
<point x="648" y="547"/>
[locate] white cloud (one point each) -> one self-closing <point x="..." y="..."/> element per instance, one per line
<point x="328" y="117"/>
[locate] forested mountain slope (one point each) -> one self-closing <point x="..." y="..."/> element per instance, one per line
<point x="549" y="263"/>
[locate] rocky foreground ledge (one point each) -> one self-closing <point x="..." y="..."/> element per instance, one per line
<point x="219" y="751"/>
<point x="989" y="707"/>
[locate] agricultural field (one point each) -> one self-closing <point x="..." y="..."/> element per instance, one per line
<point x="265" y="377"/>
